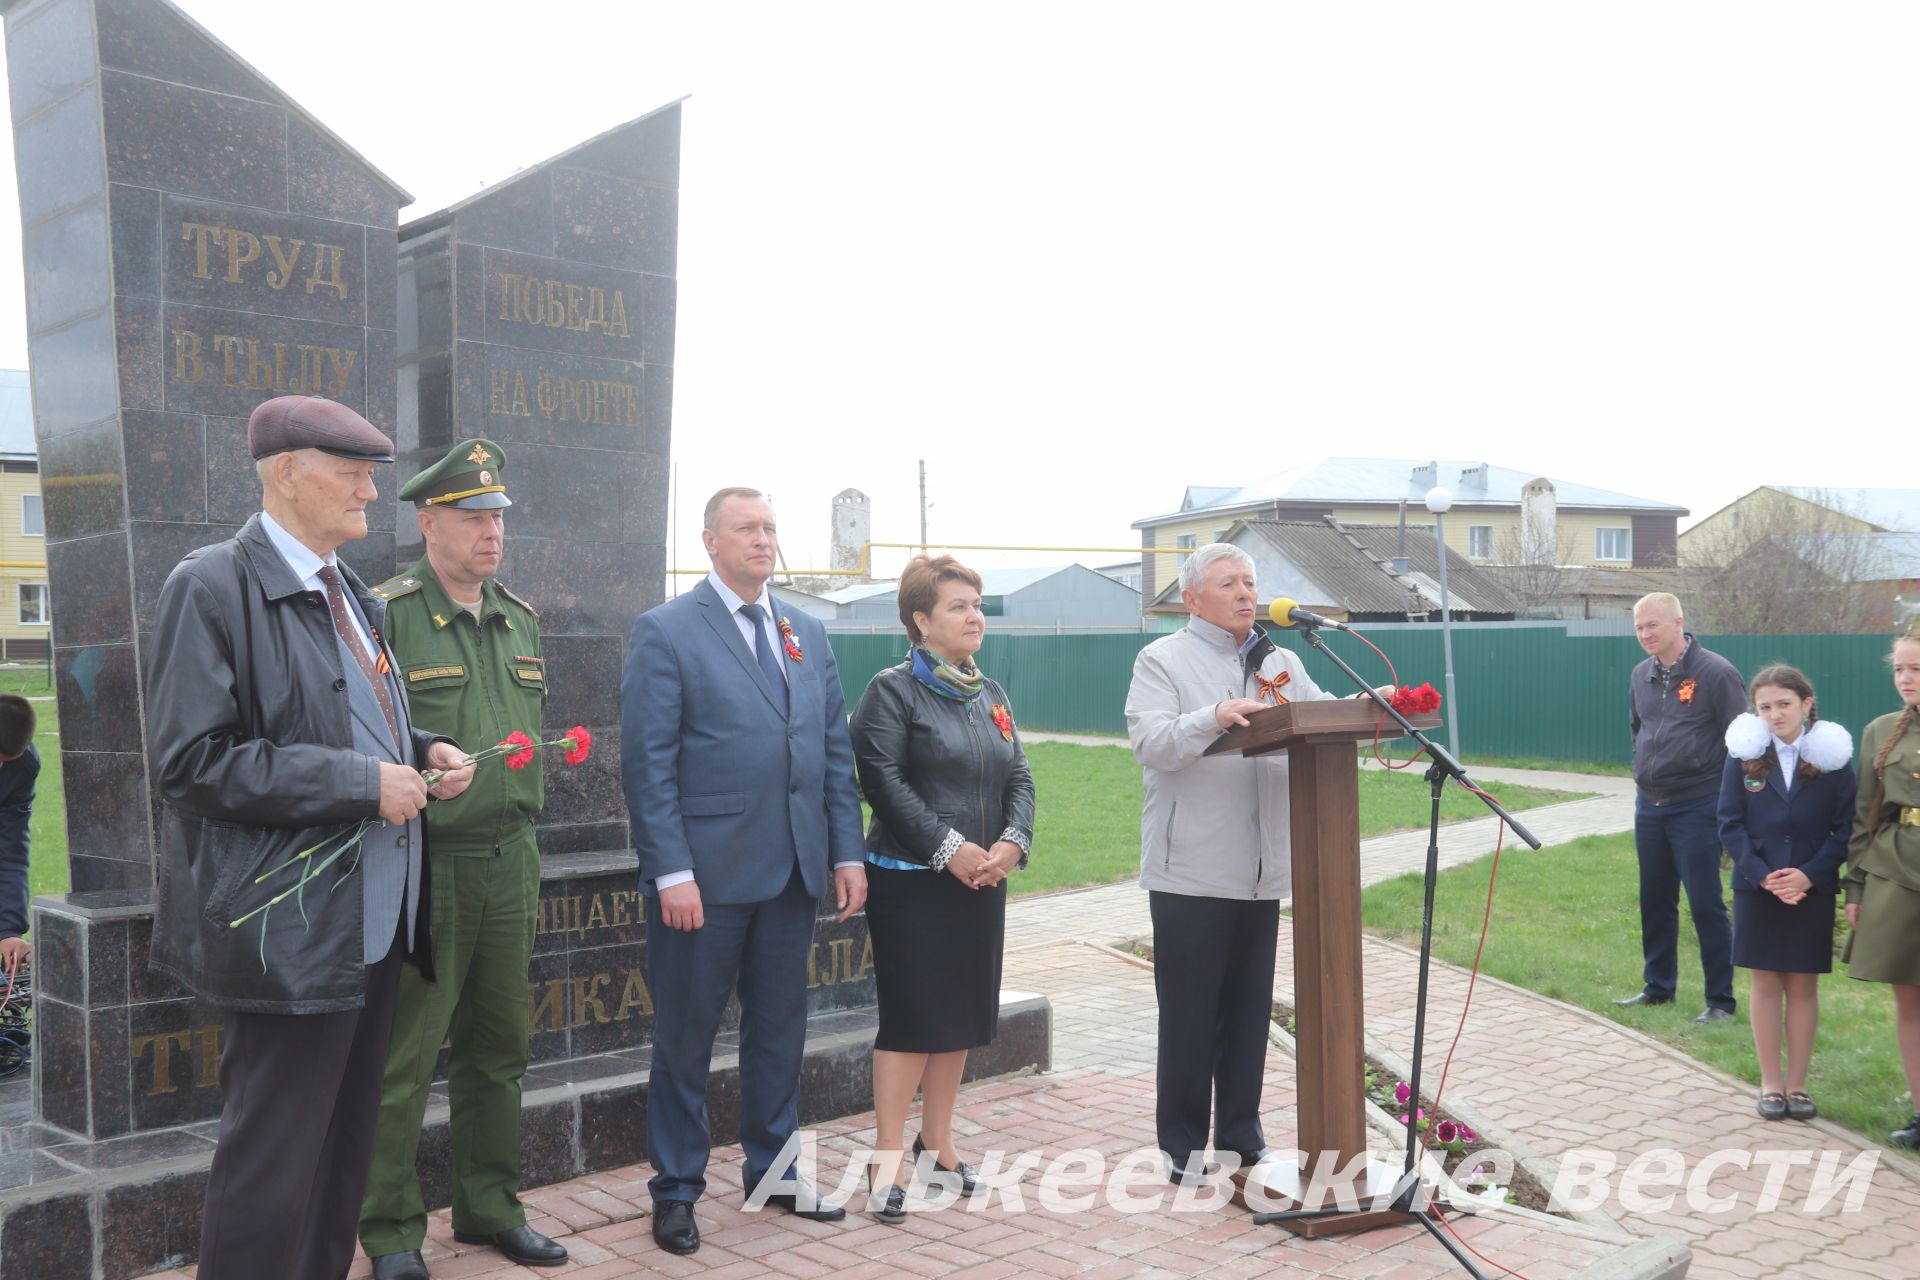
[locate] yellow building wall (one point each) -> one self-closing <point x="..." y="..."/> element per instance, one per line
<point x="1574" y="530"/>
<point x="1768" y="505"/>
<point x="22" y="558"/>
<point x="1165" y="568"/>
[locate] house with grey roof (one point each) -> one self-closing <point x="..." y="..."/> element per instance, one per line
<point x="1059" y="598"/>
<point x="1359" y="573"/>
<point x="1499" y="515"/>
<point x="26" y="606"/>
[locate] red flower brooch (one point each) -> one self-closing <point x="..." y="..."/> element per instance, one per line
<point x="1003" y="722"/>
<point x="793" y="646"/>
<point x="1416" y="700"/>
<point x="1685" y="692"/>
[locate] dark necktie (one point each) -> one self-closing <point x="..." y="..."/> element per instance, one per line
<point x="344" y="628"/>
<point x="763" y="653"/>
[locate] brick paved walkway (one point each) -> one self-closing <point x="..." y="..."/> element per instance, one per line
<point x="1560" y="1081"/>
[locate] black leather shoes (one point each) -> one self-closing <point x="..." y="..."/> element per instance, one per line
<point x="888" y="1205"/>
<point x="1193" y="1172"/>
<point x="400" y="1266"/>
<point x="804" y="1202"/>
<point x="522" y="1244"/>
<point x="1907" y="1136"/>
<point x="1643" y="998"/>
<point x="673" y="1226"/>
<point x="968" y="1175"/>
<point x="1715" y="1015"/>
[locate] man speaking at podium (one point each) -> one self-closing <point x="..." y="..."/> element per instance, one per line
<point x="1215" y="856"/>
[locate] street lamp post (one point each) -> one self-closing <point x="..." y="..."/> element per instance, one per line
<point x="1439" y="501"/>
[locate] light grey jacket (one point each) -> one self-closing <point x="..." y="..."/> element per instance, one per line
<point x="1212" y="828"/>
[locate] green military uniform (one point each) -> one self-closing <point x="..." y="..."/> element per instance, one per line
<point x="1883" y="858"/>
<point x="476" y="681"/>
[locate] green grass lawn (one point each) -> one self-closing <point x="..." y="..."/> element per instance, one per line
<point x="47" y="835"/>
<point x="1089" y="812"/>
<point x="1577" y="939"/>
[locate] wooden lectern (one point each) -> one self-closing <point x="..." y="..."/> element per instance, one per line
<point x="1324" y="790"/>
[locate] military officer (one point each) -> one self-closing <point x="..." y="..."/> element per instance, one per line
<point x="469" y="655"/>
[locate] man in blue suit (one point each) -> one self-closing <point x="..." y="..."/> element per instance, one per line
<point x="739" y="780"/>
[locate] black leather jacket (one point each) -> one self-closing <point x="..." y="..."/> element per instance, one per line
<point x="930" y="764"/>
<point x="248" y="732"/>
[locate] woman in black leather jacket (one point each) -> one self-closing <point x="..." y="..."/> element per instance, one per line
<point x="952" y="802"/>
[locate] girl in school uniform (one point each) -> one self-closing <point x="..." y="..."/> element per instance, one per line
<point x="1786" y="812"/>
<point x="1883" y="867"/>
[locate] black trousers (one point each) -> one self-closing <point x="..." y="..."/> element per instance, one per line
<point x="301" y="1102"/>
<point x="1213" y="976"/>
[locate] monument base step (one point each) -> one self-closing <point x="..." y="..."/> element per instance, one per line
<point x="72" y="1209"/>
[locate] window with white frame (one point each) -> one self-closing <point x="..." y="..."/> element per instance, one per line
<point x="1480" y="541"/>
<point x="1613" y="544"/>
<point x="33" y="604"/>
<point x="1187" y="541"/>
<point x="33" y="522"/>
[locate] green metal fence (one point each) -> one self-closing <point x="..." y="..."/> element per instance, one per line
<point x="1538" y="691"/>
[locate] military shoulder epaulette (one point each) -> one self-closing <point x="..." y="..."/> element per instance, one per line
<point x="394" y="588"/>
<point x="516" y="599"/>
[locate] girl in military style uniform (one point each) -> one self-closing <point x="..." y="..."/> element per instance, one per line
<point x="1883" y="866"/>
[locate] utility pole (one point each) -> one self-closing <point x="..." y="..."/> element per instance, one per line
<point x="923" y="506"/>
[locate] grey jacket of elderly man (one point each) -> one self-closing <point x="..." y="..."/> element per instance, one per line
<point x="1218" y="827"/>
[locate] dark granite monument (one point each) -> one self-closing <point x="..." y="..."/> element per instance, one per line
<point x="197" y="243"/>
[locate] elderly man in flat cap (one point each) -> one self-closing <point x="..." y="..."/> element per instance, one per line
<point x="275" y="724"/>
<point x="469" y="652"/>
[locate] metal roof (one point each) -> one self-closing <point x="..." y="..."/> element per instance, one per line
<point x="993" y="582"/>
<point x="16" y="416"/>
<point x="1348" y="481"/>
<point x="1350" y="568"/>
<point x="1892" y="510"/>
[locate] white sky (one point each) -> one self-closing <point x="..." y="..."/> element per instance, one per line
<point x="1078" y="256"/>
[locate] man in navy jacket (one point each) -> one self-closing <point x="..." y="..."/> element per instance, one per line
<point x="739" y="779"/>
<point x="19" y="770"/>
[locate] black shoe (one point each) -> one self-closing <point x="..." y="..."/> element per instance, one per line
<point x="1643" y="998"/>
<point x="1192" y="1171"/>
<point x="1800" y="1106"/>
<point x="1715" y="1015"/>
<point x="521" y="1244"/>
<point x="673" y="1226"/>
<point x="1772" y="1106"/>
<point x="804" y="1202"/>
<point x="890" y="1205"/>
<point x="1908" y="1135"/>
<point x="968" y="1175"/>
<point x="400" y="1266"/>
<point x="1248" y="1159"/>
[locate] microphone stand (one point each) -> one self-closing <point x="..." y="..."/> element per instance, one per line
<point x="1407" y="1199"/>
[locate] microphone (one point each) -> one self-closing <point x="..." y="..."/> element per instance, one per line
<point x="1286" y="613"/>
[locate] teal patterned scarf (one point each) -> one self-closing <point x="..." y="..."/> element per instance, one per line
<point x="962" y="684"/>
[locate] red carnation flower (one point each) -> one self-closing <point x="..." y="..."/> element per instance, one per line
<point x="522" y="758"/>
<point x="581" y="744"/>
<point x="1416" y="700"/>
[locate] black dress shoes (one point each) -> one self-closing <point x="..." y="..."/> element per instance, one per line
<point x="673" y="1226"/>
<point x="1907" y="1136"/>
<point x="1193" y="1172"/>
<point x="804" y="1202"/>
<point x="522" y="1244"/>
<point x="1643" y="998"/>
<point x="400" y="1266"/>
<point x="968" y="1175"/>
<point x="1715" y="1015"/>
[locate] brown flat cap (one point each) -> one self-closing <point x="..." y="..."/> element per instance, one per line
<point x="309" y="422"/>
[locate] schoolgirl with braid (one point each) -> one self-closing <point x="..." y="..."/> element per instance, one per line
<point x="1786" y="812"/>
<point x="1883" y="867"/>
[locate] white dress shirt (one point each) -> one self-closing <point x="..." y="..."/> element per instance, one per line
<point x="306" y="566"/>
<point x="1789" y="753"/>
<point x="733" y="601"/>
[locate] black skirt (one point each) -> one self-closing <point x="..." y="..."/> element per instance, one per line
<point x="1768" y="934"/>
<point x="937" y="948"/>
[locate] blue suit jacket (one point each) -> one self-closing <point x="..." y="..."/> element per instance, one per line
<point x="1772" y="828"/>
<point x="718" y="781"/>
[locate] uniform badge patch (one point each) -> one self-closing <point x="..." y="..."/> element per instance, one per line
<point x="1756" y="784"/>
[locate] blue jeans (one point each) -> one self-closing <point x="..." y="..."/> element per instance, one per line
<point x="1679" y="844"/>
